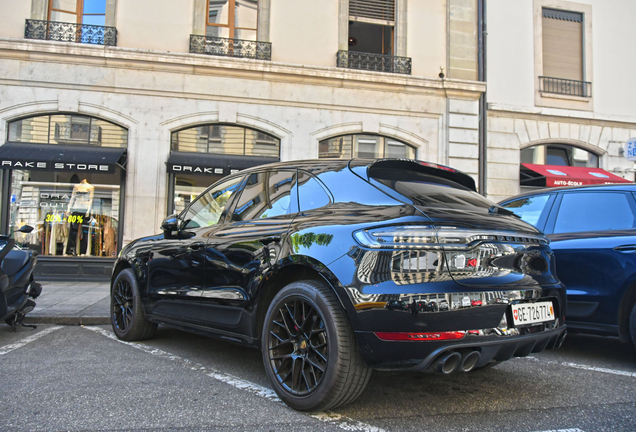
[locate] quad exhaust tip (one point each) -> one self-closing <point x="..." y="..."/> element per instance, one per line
<point x="452" y="361"/>
<point x="448" y="362"/>
<point x="469" y="361"/>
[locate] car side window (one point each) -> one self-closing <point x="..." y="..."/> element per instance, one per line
<point x="266" y="194"/>
<point x="207" y="209"/>
<point x="311" y="194"/>
<point x="595" y="211"/>
<point x="529" y="209"/>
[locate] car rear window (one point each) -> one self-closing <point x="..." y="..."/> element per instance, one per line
<point x="428" y="190"/>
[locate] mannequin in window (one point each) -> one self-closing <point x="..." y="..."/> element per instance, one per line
<point x="79" y="210"/>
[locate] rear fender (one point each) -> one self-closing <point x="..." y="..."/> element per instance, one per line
<point x="292" y="269"/>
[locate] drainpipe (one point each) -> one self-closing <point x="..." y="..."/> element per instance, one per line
<point x="483" y="105"/>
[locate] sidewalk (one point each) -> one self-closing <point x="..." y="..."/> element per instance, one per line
<point x="73" y="303"/>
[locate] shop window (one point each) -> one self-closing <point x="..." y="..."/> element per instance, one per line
<point x="364" y="146"/>
<point x="68" y="129"/>
<point x="64" y="184"/>
<point x="232" y="19"/>
<point x="559" y="154"/>
<point x="78" y="11"/>
<point x="73" y="213"/>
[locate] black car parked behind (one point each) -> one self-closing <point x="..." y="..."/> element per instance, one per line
<point x="334" y="268"/>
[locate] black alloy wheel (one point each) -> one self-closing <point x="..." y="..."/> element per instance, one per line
<point x="122" y="304"/>
<point x="126" y="311"/>
<point x="298" y="350"/>
<point x="309" y="349"/>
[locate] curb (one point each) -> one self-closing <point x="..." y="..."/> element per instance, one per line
<point x="67" y="320"/>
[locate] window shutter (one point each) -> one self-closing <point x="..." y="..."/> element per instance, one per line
<point x="562" y="44"/>
<point x="372" y="11"/>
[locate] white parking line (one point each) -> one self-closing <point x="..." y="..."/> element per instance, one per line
<point x="328" y="417"/>
<point x="585" y="367"/>
<point x="27" y="340"/>
<point x="564" y="430"/>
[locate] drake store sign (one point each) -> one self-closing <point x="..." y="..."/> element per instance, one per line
<point x="57" y="166"/>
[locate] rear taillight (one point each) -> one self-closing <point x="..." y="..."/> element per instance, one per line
<point x="434" y="336"/>
<point x="465" y="250"/>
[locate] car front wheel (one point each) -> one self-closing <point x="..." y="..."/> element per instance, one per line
<point x="309" y="349"/>
<point x="126" y="311"/>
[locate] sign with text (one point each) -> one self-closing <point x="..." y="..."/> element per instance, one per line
<point x="630" y="149"/>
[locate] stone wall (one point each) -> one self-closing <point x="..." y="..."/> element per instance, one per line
<point x="510" y="132"/>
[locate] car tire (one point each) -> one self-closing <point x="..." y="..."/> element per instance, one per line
<point x="309" y="349"/>
<point x="126" y="311"/>
<point x="632" y="325"/>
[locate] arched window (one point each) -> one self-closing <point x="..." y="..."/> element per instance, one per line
<point x="559" y="154"/>
<point x="204" y="154"/>
<point x="68" y="129"/>
<point x="226" y="139"/>
<point x="63" y="174"/>
<point x="364" y="146"/>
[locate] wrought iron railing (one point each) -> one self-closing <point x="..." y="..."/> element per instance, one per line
<point x="374" y="62"/>
<point x="219" y="46"/>
<point x="565" y="86"/>
<point x="69" y="32"/>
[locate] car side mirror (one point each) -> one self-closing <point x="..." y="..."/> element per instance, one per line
<point x="170" y="224"/>
<point x="26" y="229"/>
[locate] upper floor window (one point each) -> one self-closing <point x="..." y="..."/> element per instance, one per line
<point x="78" y="11"/>
<point x="364" y="146"/>
<point x="233" y="19"/>
<point x="559" y="154"/>
<point x="226" y="139"/>
<point x="563" y="45"/>
<point x="371" y="26"/>
<point x="68" y="129"/>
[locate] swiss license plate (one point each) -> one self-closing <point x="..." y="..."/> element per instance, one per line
<point x="532" y="313"/>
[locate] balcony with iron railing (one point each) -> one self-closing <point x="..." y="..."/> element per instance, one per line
<point x="565" y="86"/>
<point x="218" y="46"/>
<point x="374" y="62"/>
<point x="70" y="32"/>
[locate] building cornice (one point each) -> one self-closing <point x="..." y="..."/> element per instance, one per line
<point x="560" y="115"/>
<point x="200" y="64"/>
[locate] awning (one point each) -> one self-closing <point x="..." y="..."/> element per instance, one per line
<point x="556" y="175"/>
<point x="56" y="157"/>
<point x="213" y="164"/>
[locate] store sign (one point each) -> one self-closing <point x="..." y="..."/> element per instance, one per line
<point x="190" y="169"/>
<point x="630" y="149"/>
<point x="54" y="166"/>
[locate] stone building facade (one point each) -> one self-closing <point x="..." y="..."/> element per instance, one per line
<point x="296" y="76"/>
<point x="549" y="91"/>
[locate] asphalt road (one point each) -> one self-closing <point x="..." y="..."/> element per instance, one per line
<point x="70" y="378"/>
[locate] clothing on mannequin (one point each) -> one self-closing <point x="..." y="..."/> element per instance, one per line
<point x="79" y="208"/>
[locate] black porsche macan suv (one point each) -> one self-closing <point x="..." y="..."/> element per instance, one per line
<point x="333" y="268"/>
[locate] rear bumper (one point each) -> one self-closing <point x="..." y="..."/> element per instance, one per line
<point x="422" y="355"/>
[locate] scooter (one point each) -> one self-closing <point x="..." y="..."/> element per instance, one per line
<point x="16" y="281"/>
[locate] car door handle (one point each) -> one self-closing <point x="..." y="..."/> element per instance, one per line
<point x="270" y="239"/>
<point x="196" y="246"/>
<point x="626" y="248"/>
